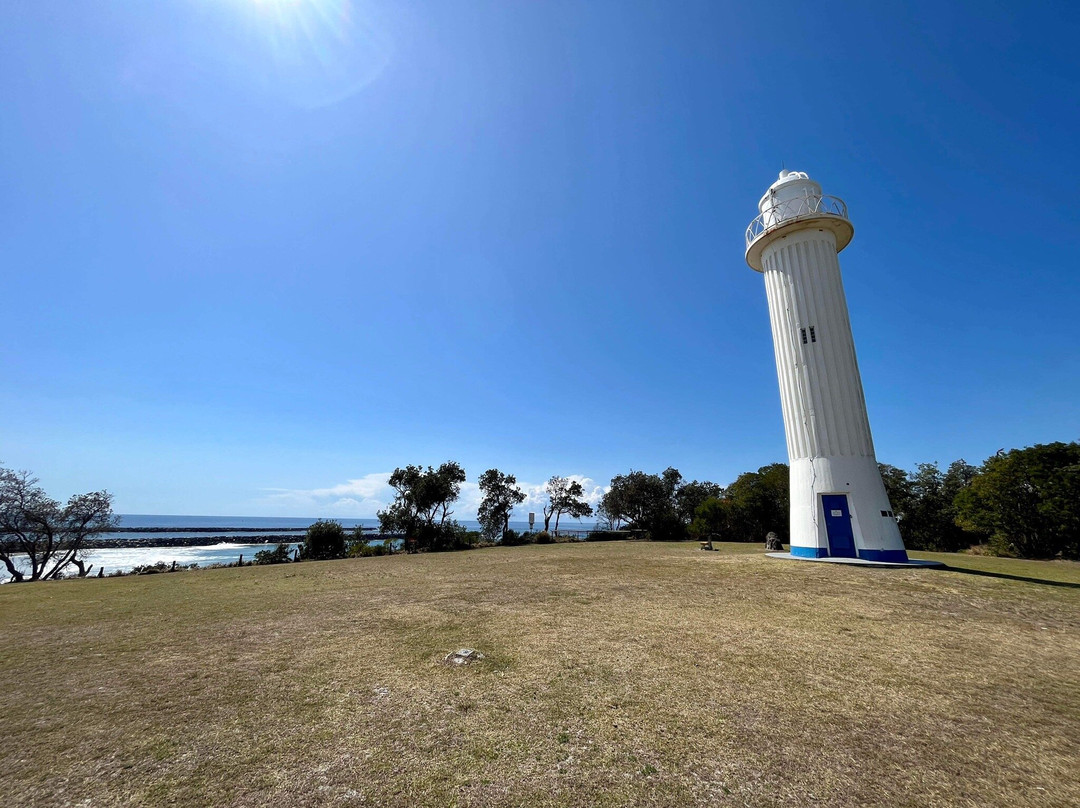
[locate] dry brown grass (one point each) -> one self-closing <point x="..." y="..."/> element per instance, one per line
<point x="616" y="674"/>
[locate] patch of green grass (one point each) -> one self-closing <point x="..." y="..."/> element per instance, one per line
<point x="615" y="674"/>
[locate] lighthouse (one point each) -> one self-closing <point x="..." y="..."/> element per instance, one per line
<point x="839" y="507"/>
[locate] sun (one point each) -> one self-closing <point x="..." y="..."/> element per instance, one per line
<point x="315" y="52"/>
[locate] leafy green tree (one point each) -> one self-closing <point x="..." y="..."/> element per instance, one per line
<point x="52" y="536"/>
<point x="645" y="502"/>
<point x="636" y="499"/>
<point x="898" y="489"/>
<point x="501" y="494"/>
<point x="565" y="496"/>
<point x="760" y="504"/>
<point x="662" y="505"/>
<point x="924" y="504"/>
<point x="689" y="496"/>
<point x="1027" y="501"/>
<point x="930" y="521"/>
<point x="421" y="506"/>
<point x="714" y="519"/>
<point x="958" y="477"/>
<point x="324" y="540"/>
<point x="756" y="504"/>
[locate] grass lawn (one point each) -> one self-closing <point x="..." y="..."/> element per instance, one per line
<point x="616" y="674"/>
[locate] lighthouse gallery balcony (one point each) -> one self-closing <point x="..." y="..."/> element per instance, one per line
<point x="798" y="211"/>
<point x="810" y="206"/>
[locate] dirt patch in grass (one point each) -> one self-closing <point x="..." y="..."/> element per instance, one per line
<point x="614" y="674"/>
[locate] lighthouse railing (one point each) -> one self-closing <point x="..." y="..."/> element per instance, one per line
<point x="791" y="209"/>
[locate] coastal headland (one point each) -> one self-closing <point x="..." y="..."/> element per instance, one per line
<point x="613" y="673"/>
<point x="207" y="536"/>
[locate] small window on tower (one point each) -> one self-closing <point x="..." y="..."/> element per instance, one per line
<point x="813" y="336"/>
<point x="803" y="332"/>
<point x="885" y="513"/>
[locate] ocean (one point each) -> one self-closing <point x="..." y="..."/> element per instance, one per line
<point x="123" y="559"/>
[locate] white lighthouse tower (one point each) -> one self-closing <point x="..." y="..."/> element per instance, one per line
<point x="839" y="508"/>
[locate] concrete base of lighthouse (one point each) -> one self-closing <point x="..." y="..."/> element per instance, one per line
<point x="840" y="511"/>
<point x="861" y="562"/>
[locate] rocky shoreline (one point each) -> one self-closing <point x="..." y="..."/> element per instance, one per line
<point x="206" y="541"/>
<point x="190" y="541"/>
<point x="207" y="529"/>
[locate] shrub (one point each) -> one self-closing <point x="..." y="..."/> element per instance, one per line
<point x="366" y="550"/>
<point x="511" y="538"/>
<point x="439" y="538"/>
<point x="279" y="555"/>
<point x="150" y="569"/>
<point x="155" y="569"/>
<point x="324" y="540"/>
<point x="354" y="548"/>
<point x="607" y="535"/>
<point x="542" y="537"/>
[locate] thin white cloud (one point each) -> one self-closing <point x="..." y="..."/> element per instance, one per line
<point x="363" y="497"/>
<point x="360" y="498"/>
<point x="536" y="495"/>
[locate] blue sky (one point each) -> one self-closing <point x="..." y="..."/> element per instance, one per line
<point x="253" y="251"/>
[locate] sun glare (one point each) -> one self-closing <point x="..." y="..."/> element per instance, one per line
<point x="317" y="52"/>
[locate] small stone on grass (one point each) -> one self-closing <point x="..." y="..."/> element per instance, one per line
<point x="463" y="656"/>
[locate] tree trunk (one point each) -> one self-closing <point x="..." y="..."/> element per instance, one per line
<point x="16" y="576"/>
<point x="83" y="569"/>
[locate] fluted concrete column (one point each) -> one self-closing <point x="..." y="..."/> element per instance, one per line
<point x="835" y="480"/>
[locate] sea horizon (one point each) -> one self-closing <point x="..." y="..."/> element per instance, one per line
<point x="166" y="526"/>
<point x="271" y="524"/>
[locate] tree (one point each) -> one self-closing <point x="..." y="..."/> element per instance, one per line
<point x="634" y="499"/>
<point x="1027" y="501"/>
<point x="52" y="536"/>
<point x="898" y="489"/>
<point x="501" y="494"/>
<point x="564" y="496"/>
<point x="324" y="540"/>
<point x="689" y="496"/>
<point x="924" y="504"/>
<point x="930" y="522"/>
<point x="957" y="478"/>
<point x="646" y="502"/>
<point x="421" y="506"/>
<point x="760" y="504"/>
<point x="713" y="519"/>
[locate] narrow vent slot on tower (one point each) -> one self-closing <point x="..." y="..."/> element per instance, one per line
<point x="813" y="336"/>
<point x="802" y="331"/>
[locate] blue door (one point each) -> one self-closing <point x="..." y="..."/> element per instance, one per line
<point x="838" y="525"/>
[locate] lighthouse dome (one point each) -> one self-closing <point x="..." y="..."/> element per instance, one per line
<point x="795" y="202"/>
<point x="789" y="185"/>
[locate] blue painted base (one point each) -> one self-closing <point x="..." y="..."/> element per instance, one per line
<point x="857" y="562"/>
<point x="887" y="556"/>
